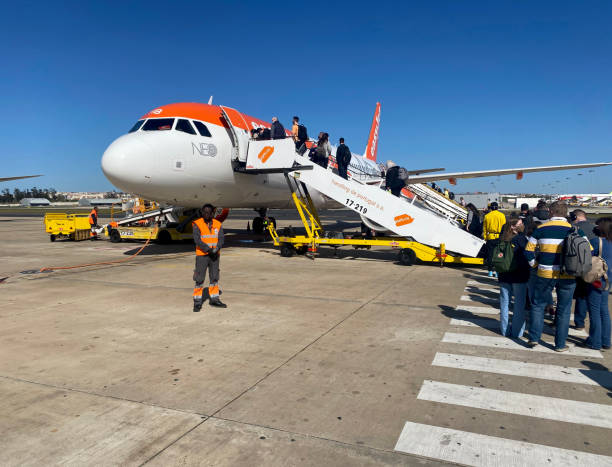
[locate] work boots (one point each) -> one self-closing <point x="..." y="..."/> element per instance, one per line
<point x="215" y="301"/>
<point x="197" y="306"/>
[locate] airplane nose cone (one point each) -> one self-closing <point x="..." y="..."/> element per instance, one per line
<point x="128" y="163"/>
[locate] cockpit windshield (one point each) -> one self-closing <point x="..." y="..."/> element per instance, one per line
<point x="184" y="126"/>
<point x="202" y="128"/>
<point x="158" y="124"/>
<point x="136" y="126"/>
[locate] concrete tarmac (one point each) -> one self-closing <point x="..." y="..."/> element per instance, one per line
<point x="348" y="360"/>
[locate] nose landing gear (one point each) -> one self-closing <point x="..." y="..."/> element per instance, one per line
<point x="260" y="223"/>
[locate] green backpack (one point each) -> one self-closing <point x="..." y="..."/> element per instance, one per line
<point x="503" y="257"/>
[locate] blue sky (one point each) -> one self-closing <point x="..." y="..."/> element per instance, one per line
<point x="463" y="85"/>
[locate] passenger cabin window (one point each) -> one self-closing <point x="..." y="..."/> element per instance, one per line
<point x="136" y="126"/>
<point x="158" y="124"/>
<point x="202" y="128"/>
<point x="185" y="126"/>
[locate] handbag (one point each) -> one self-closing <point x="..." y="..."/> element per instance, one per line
<point x="599" y="270"/>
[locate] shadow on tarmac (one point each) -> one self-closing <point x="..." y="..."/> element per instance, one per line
<point x="492" y="324"/>
<point x="599" y="373"/>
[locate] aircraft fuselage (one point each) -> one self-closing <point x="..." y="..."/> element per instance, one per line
<point x="185" y="154"/>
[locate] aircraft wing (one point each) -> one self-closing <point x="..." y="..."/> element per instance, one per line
<point x="7" y="179"/>
<point x="452" y="177"/>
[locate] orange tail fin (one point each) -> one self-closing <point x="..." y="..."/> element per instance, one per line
<point x="372" y="147"/>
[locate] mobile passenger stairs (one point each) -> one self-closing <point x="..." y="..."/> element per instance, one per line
<point x="439" y="203"/>
<point x="422" y="232"/>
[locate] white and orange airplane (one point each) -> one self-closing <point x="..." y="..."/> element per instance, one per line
<point x="186" y="154"/>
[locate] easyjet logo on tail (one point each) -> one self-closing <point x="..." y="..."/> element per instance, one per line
<point x="265" y="153"/>
<point x="403" y="219"/>
<point x="372" y="147"/>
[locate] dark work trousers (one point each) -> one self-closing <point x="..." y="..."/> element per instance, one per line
<point x="342" y="171"/>
<point x="202" y="263"/>
<point x="491" y="244"/>
<point x="580" y="294"/>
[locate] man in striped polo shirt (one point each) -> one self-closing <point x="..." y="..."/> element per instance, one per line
<point x="548" y="239"/>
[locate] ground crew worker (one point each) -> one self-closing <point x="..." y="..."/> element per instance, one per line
<point x="491" y="228"/>
<point x="208" y="238"/>
<point x="93" y="223"/>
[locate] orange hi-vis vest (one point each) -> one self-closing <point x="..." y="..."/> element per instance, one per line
<point x="91" y="217"/>
<point x="208" y="236"/>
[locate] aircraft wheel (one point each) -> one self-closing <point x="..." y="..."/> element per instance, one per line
<point x="115" y="237"/>
<point x="287" y="250"/>
<point x="164" y="237"/>
<point x="407" y="256"/>
<point x="258" y="225"/>
<point x="51" y="238"/>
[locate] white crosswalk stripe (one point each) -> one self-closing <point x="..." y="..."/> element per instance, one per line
<point x="467" y="448"/>
<point x="483" y="310"/>
<point x="483" y="285"/>
<point x="550" y="408"/>
<point x="528" y="370"/>
<point x="486" y="310"/>
<point x="477" y="288"/>
<point x="480" y="308"/>
<point x="494" y="324"/>
<point x="489" y="287"/>
<point x="500" y="342"/>
<point x="483" y="300"/>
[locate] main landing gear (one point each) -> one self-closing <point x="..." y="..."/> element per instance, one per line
<point x="260" y="223"/>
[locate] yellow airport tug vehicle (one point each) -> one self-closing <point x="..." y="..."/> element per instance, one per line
<point x="409" y="251"/>
<point x="70" y="226"/>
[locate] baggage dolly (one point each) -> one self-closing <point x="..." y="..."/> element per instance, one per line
<point x="71" y="226"/>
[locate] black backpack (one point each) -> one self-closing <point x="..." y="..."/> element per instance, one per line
<point x="302" y="133"/>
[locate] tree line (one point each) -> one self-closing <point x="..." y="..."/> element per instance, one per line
<point x="48" y="193"/>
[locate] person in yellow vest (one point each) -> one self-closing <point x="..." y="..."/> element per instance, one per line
<point x="208" y="238"/>
<point x="93" y="223"/>
<point x="491" y="228"/>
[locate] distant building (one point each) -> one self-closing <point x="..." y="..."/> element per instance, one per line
<point x="77" y="195"/>
<point x="480" y="200"/>
<point x="531" y="202"/>
<point x="99" y="201"/>
<point x="35" y="202"/>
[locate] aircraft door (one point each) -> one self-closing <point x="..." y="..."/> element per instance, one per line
<point x="271" y="154"/>
<point x="238" y="133"/>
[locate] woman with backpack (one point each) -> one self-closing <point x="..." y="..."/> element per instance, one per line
<point x="513" y="274"/>
<point x="597" y="299"/>
<point x="323" y="150"/>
